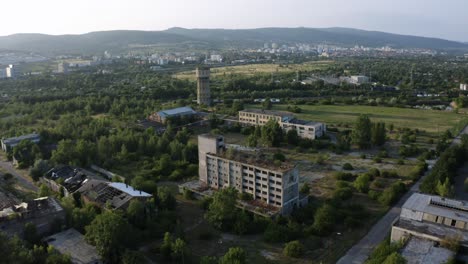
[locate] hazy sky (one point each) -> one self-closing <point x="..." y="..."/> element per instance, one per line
<point x="437" y="18"/>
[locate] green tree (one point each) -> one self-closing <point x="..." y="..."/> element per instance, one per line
<point x="222" y="210"/>
<point x="272" y="134"/>
<point x="166" y="200"/>
<point x="361" y="134"/>
<point x="324" y="219"/>
<point x="266" y="105"/>
<point x="293" y="249"/>
<point x="108" y="232"/>
<point x="379" y="134"/>
<point x="235" y="255"/>
<point x="179" y="250"/>
<point x="166" y="246"/>
<point x="136" y="214"/>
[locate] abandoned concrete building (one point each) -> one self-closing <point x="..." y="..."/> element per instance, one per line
<point x="42" y="212"/>
<point x="434" y="219"/>
<point x="115" y="195"/>
<point x="65" y="177"/>
<point x="286" y="120"/>
<point x="275" y="186"/>
<point x="164" y="115"/>
<point x="9" y="143"/>
<point x="71" y="242"/>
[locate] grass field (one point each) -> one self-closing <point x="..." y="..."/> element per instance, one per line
<point x="252" y="69"/>
<point x="429" y="120"/>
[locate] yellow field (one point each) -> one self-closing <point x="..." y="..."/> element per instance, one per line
<point x="252" y="69"/>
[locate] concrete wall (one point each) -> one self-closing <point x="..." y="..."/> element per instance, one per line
<point x="399" y="233"/>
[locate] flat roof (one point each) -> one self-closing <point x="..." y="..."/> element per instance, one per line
<point x="177" y="111"/>
<point x="436" y="205"/>
<point x="20" y="138"/>
<point x="129" y="189"/>
<point x="304" y="122"/>
<point x="72" y="242"/>
<point x="267" y="112"/>
<point x="418" y="250"/>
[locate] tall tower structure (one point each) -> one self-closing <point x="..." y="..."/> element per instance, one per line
<point x="203" y="86"/>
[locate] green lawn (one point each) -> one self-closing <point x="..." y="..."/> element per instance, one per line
<point x="429" y="120"/>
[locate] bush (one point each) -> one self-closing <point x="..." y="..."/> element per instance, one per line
<point x="343" y="176"/>
<point x="374" y="172"/>
<point x="374" y="195"/>
<point x="362" y="183"/>
<point x="377" y="160"/>
<point x="293" y="249"/>
<point x="343" y="193"/>
<point x="305" y="189"/>
<point x="342" y="184"/>
<point x="347" y="166"/>
<point x="363" y="156"/>
<point x="378" y="183"/>
<point x="392" y="193"/>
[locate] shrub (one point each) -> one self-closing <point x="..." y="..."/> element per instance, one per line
<point x="293" y="249"/>
<point x="392" y="193"/>
<point x="343" y="176"/>
<point x="188" y="194"/>
<point x="363" y="156"/>
<point x="374" y="195"/>
<point x="343" y="193"/>
<point x="362" y="183"/>
<point x="347" y="166"/>
<point x="305" y="189"/>
<point x="342" y="184"/>
<point x="279" y="156"/>
<point x="374" y="172"/>
<point x="377" y="160"/>
<point x="378" y="183"/>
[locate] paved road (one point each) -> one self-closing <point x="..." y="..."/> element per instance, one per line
<point x="361" y="251"/>
<point x="25" y="182"/>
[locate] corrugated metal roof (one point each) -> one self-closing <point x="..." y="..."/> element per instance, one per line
<point x="439" y="206"/>
<point x="177" y="111"/>
<point x="129" y="189"/>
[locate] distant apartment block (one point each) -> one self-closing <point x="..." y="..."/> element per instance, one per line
<point x="305" y="129"/>
<point x="11" y="71"/>
<point x="463" y="86"/>
<point x="274" y="185"/>
<point x="116" y="195"/>
<point x="62" y="67"/>
<point x="432" y="218"/>
<point x="9" y="143"/>
<point x="163" y="115"/>
<point x="359" y="79"/>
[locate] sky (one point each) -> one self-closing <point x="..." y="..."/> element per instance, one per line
<point x="446" y="19"/>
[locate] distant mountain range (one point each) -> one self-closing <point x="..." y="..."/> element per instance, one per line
<point x="125" y="40"/>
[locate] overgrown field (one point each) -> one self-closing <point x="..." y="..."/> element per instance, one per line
<point x="429" y="120"/>
<point x="253" y="69"/>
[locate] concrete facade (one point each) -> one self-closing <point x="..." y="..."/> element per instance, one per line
<point x="203" y="86"/>
<point x="432" y="217"/>
<point x="275" y="186"/>
<point x="287" y="121"/>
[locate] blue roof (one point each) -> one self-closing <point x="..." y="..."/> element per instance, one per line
<point x="177" y="111"/>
